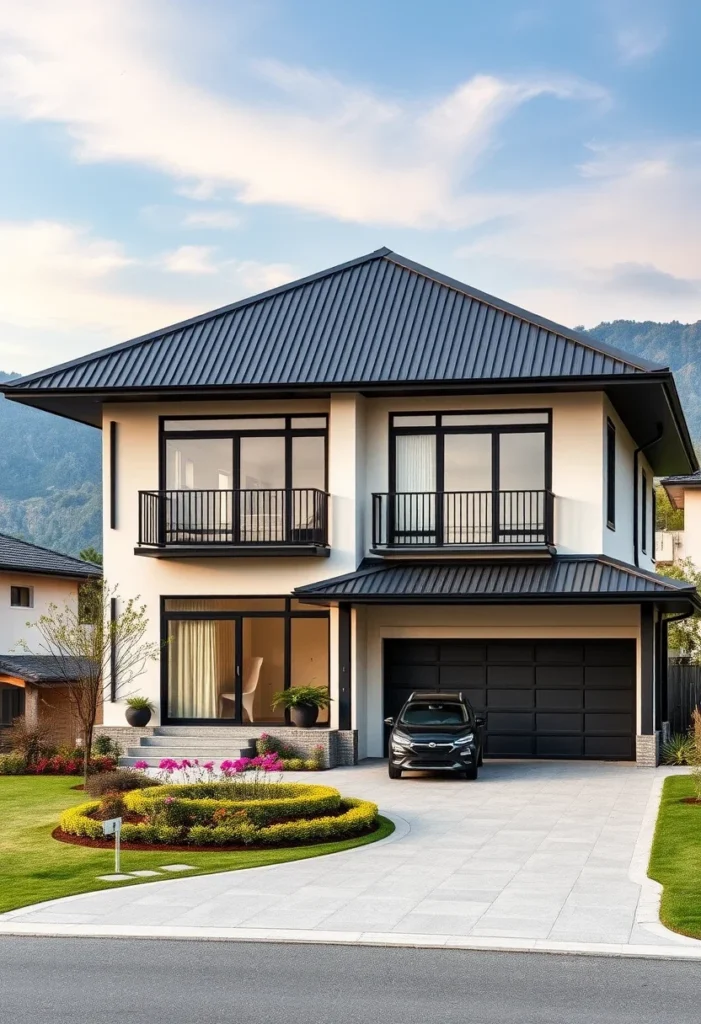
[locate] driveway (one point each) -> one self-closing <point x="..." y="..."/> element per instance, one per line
<point x="536" y="854"/>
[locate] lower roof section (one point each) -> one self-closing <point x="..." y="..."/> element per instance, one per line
<point x="563" y="578"/>
<point x="43" y="668"/>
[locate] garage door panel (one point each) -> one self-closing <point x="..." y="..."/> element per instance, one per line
<point x="511" y="675"/>
<point x="567" y="699"/>
<point x="517" y="699"/>
<point x="509" y="721"/>
<point x="559" y="746"/>
<point x="607" y="723"/>
<point x="560" y="676"/>
<point x="560" y="700"/>
<point x="608" y="700"/>
<point x="457" y="677"/>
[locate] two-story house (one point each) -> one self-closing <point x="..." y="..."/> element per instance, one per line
<point x="32" y="579"/>
<point x="380" y="479"/>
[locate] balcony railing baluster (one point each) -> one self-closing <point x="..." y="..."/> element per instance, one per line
<point x="462" y="518"/>
<point x="214" y="517"/>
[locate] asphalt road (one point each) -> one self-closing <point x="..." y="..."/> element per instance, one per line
<point x="84" y="981"/>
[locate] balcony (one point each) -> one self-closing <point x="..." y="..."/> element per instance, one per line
<point x="196" y="523"/>
<point x="471" y="521"/>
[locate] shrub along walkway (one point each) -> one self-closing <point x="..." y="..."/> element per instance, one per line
<point x="535" y="855"/>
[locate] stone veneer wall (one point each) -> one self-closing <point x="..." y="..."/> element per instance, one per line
<point x="647" y="750"/>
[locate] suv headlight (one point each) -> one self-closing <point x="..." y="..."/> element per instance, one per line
<point x="468" y="738"/>
<point x="399" y="739"/>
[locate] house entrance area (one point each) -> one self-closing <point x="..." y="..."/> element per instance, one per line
<point x="540" y="698"/>
<point x="227" y="657"/>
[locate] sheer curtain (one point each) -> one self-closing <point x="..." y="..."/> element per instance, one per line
<point x="415" y="476"/>
<point x="201" y="665"/>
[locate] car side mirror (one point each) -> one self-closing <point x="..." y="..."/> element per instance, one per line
<point x="479" y="720"/>
<point x="389" y="721"/>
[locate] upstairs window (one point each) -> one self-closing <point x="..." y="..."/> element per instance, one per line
<point x="643" y="511"/>
<point x="21" y="597"/>
<point x="610" y="475"/>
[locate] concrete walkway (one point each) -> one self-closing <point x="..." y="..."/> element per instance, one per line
<point x="535" y="855"/>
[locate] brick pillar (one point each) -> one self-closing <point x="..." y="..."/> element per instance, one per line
<point x="647" y="750"/>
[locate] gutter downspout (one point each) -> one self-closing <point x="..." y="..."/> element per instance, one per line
<point x="636" y="453"/>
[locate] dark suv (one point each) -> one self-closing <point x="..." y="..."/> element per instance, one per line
<point x="436" y="732"/>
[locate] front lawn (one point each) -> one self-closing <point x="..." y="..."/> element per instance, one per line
<point x="35" y="867"/>
<point x="675" y="861"/>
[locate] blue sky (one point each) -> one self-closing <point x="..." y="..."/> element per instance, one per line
<point x="162" y="158"/>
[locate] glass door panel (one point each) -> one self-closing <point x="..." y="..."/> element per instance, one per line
<point x="467" y="513"/>
<point x="262" y="505"/>
<point x="200" y="470"/>
<point x="415" y="486"/>
<point x="521" y="487"/>
<point x="309" y="653"/>
<point x="263" y="668"/>
<point x="308" y="477"/>
<point x="202" y="678"/>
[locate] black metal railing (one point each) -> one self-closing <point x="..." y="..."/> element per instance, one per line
<point x="212" y="517"/>
<point x="462" y="518"/>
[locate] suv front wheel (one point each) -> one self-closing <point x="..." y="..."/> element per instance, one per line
<point x="471" y="772"/>
<point x="394" y="773"/>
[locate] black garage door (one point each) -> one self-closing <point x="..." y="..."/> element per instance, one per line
<point x="545" y="698"/>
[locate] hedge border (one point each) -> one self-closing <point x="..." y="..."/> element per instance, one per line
<point x="356" y="816"/>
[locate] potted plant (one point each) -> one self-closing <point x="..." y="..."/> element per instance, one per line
<point x="139" y="710"/>
<point x="303" y="702"/>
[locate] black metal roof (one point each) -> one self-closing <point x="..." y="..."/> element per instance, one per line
<point x="21" y="556"/>
<point x="41" y="668"/>
<point x="562" y="578"/>
<point x="379" y="318"/>
<point x="675" y="486"/>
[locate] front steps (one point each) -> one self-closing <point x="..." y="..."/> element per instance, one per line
<point x="191" y="742"/>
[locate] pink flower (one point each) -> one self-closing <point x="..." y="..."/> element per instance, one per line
<point x="169" y="800"/>
<point x="168" y="765"/>
<point x="209" y="766"/>
<point x="141" y="765"/>
<point x="184" y="764"/>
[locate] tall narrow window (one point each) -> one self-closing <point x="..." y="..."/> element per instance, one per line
<point x="643" y="511"/>
<point x="610" y="475"/>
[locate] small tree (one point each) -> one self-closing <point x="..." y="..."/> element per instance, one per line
<point x="685" y="636"/>
<point x="86" y="642"/>
<point x="667" y="517"/>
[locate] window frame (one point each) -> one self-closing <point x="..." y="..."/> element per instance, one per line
<point x="439" y="430"/>
<point x="288" y="433"/>
<point x="610" y="485"/>
<point x="287" y="613"/>
<point x="19" y="587"/>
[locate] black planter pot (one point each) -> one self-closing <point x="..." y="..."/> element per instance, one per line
<point x="138" y="716"/>
<point x="304" y="715"/>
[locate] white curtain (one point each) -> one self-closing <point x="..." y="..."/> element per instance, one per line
<point x="415" y="477"/>
<point x="201" y="666"/>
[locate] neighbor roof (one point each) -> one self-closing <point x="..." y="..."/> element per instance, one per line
<point x="21" y="556"/>
<point x="676" y="485"/>
<point x="559" y="578"/>
<point x="41" y="668"/>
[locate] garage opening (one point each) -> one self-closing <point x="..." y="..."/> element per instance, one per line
<point x="540" y="698"/>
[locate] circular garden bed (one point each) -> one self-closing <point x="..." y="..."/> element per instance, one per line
<point x="222" y="815"/>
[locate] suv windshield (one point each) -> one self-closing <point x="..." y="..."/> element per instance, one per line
<point x="426" y="713"/>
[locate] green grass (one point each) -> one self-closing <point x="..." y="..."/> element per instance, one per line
<point x="36" y="867"/>
<point x="675" y="861"/>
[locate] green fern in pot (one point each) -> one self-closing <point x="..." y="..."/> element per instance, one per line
<point x="303" y="703"/>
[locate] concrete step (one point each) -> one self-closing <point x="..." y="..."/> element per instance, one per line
<point x="190" y="743"/>
<point x="208" y="730"/>
<point x="200" y="752"/>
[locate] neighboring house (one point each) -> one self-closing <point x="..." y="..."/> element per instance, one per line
<point x="381" y="479"/>
<point x="684" y="492"/>
<point x="31" y="580"/>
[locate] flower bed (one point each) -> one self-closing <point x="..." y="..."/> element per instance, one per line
<point x="56" y="764"/>
<point x="232" y="813"/>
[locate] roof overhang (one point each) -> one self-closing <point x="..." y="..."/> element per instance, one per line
<point x="648" y="403"/>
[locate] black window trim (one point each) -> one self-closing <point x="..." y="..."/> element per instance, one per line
<point x="610" y="474"/>
<point x="495" y="429"/>
<point x="15" y="588"/>
<point x="288" y="613"/>
<point x="643" y="511"/>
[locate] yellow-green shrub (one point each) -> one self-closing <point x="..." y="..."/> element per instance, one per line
<point x="292" y="800"/>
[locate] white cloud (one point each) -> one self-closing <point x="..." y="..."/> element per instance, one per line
<point x="216" y="220"/>
<point x="622" y="242"/>
<point x="190" y="259"/>
<point x="305" y="140"/>
<point x="635" y="42"/>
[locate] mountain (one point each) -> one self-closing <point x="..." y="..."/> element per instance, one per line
<point x="50" y="467"/>
<point x="675" y="345"/>
<point x="50" y="490"/>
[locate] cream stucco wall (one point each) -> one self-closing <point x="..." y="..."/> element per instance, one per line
<point x="473" y="623"/>
<point x="618" y="543"/>
<point x="692" y="526"/>
<point x="48" y="590"/>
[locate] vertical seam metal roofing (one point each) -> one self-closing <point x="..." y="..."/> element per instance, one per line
<point x="378" y="319"/>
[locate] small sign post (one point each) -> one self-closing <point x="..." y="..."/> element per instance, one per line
<point x="113" y="827"/>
